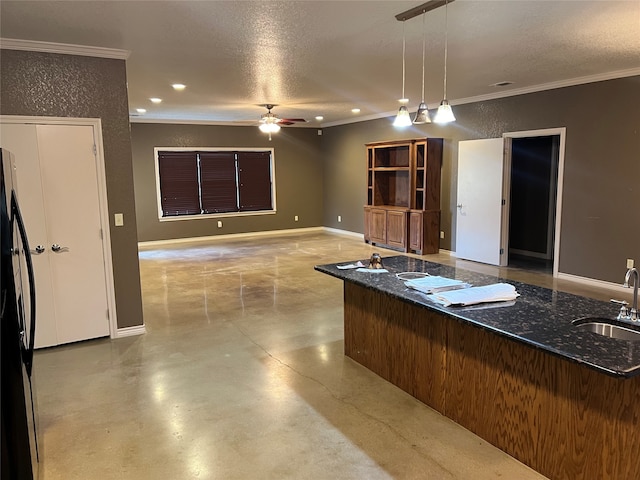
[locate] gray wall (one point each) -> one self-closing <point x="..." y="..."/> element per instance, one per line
<point x="600" y="222"/>
<point x="44" y="84"/>
<point x="298" y="169"/>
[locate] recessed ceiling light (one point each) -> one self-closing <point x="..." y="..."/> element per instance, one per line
<point x="178" y="86"/>
<point x="319" y="118"/>
<point x="155" y="100"/>
<point x="141" y="110"/>
<point x="355" y="110"/>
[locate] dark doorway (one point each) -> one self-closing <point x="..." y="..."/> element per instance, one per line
<point x="534" y="178"/>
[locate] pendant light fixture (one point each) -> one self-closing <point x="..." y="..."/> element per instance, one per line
<point x="422" y="115"/>
<point x="403" y="119"/>
<point x="444" y="113"/>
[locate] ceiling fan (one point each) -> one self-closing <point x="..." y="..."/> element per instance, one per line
<point x="270" y="122"/>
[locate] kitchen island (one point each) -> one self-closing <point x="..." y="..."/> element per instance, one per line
<point x="519" y="374"/>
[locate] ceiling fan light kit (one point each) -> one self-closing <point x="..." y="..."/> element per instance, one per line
<point x="269" y="127"/>
<point x="270" y="122"/>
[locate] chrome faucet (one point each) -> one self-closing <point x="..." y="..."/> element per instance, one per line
<point x="633" y="272"/>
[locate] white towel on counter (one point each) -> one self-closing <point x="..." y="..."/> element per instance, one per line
<point x="497" y="292"/>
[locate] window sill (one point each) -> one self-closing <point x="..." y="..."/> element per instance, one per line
<point x="217" y="215"/>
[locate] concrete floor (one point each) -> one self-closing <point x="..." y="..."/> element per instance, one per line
<point x="242" y="375"/>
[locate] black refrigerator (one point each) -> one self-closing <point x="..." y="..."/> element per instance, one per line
<point x="17" y="332"/>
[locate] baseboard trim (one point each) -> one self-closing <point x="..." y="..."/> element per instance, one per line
<point x="348" y="233"/>
<point x="592" y="282"/>
<point x="209" y="238"/>
<point x="131" y="331"/>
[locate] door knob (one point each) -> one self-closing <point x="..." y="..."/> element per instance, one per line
<point x="58" y="249"/>
<point x="38" y="250"/>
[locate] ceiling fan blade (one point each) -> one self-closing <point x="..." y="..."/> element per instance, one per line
<point x="291" y="121"/>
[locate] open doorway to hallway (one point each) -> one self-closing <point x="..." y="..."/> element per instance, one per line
<point x="532" y="216"/>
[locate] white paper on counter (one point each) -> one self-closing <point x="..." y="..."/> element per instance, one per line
<point x="372" y="270"/>
<point x="351" y="265"/>
<point x="496" y="292"/>
<point x="434" y="284"/>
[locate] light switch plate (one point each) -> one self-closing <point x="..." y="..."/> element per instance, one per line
<point x="118" y="219"/>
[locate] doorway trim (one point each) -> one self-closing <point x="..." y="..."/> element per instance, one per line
<point x="96" y="124"/>
<point x="547" y="132"/>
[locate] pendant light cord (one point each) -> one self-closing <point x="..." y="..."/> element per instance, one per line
<point x="403" y="62"/>
<point x="446" y="35"/>
<point x="424" y="35"/>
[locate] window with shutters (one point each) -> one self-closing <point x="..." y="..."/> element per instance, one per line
<point x="209" y="182"/>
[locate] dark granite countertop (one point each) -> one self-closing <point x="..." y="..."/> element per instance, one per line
<point x="540" y="317"/>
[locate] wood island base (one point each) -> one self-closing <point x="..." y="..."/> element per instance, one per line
<point x="562" y="419"/>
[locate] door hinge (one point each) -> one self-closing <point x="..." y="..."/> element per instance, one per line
<point x="95" y="149"/>
<point x="501" y="251"/>
<point x="108" y="314"/>
<point x="101" y="234"/>
<point x="504" y="202"/>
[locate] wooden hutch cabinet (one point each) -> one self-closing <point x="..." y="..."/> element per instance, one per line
<point x="403" y="194"/>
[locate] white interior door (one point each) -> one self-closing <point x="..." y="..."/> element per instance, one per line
<point x="58" y="189"/>
<point x="72" y="208"/>
<point x="480" y="207"/>
<point x="22" y="142"/>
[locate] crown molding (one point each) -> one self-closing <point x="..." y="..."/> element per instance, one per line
<point x="63" y="48"/>
<point x="185" y="121"/>
<point x="572" y="82"/>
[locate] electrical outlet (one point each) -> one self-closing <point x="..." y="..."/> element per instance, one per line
<point x="295" y="218"/>
<point x="441" y="233"/>
<point x="219" y="223"/>
<point x="339" y="218"/>
<point x="630" y="262"/>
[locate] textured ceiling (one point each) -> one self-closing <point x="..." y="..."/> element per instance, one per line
<point x="327" y="57"/>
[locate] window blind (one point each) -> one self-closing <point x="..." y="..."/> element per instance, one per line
<point x="195" y="182"/>
<point x="254" y="181"/>
<point x="218" y="182"/>
<point x="179" y="186"/>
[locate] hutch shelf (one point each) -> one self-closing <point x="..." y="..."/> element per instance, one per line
<point x="403" y="194"/>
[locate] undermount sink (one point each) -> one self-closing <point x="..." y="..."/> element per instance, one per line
<point x="608" y="328"/>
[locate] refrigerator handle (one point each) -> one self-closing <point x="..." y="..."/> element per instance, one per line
<point x="28" y="355"/>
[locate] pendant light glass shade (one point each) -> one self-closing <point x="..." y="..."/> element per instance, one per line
<point x="403" y="119"/>
<point x="444" y="113"/>
<point x="422" y="115"/>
